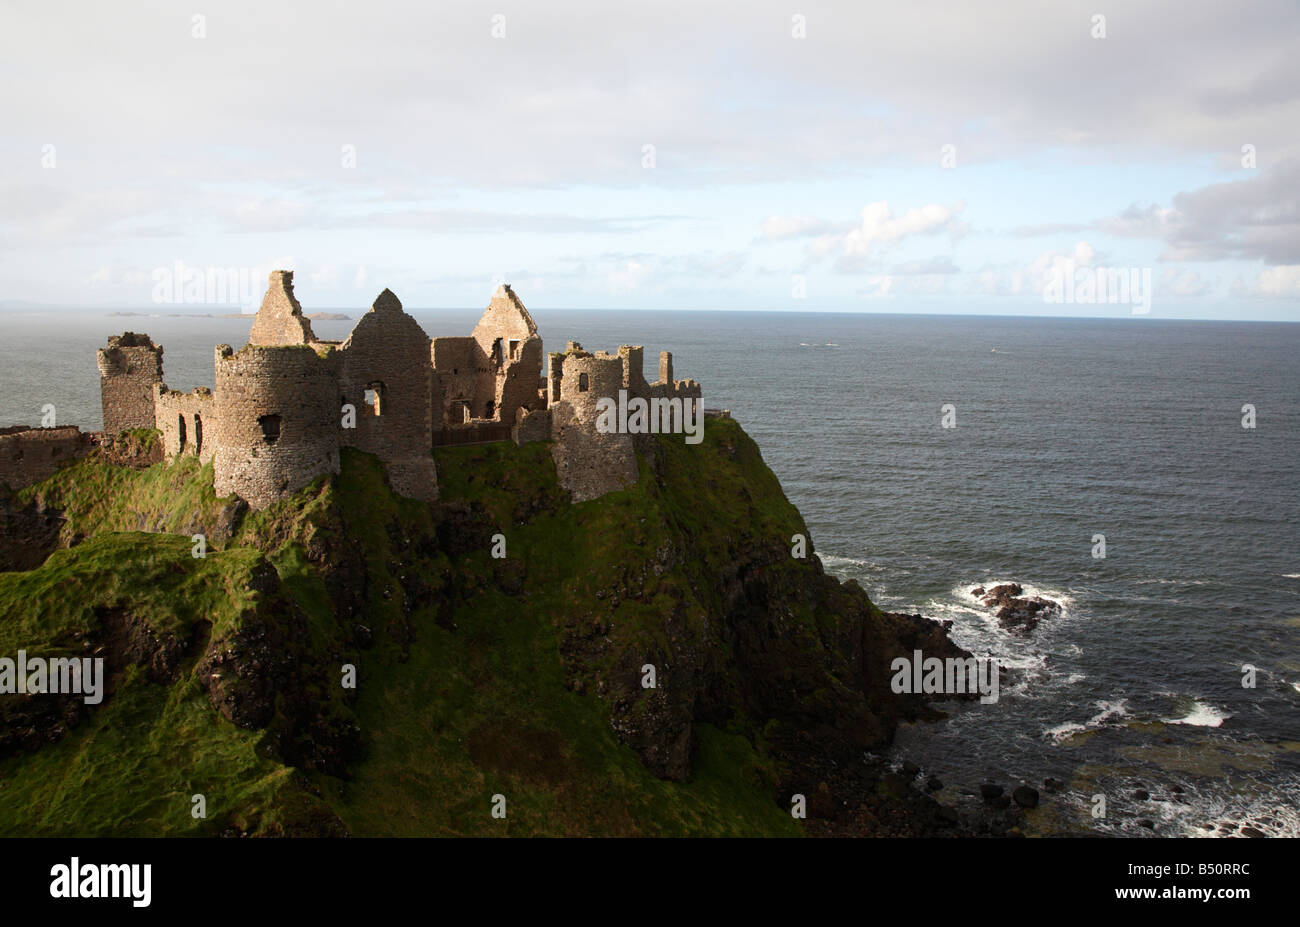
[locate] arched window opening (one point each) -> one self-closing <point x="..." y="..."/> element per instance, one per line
<point x="180" y="431"/>
<point x="583" y="384"/>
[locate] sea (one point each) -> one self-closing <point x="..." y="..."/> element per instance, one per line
<point x="1166" y="693"/>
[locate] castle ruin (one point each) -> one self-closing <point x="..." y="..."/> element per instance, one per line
<point x="283" y="405"/>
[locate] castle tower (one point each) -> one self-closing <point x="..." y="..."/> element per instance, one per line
<point x="587" y="462"/>
<point x="128" y="369"/>
<point x="277" y="420"/>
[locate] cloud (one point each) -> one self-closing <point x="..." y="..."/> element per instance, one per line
<point x="776" y="228"/>
<point x="934" y="266"/>
<point x="1280" y="281"/>
<point x="878" y="230"/>
<point x="1184" y="284"/>
<point x="1257" y="218"/>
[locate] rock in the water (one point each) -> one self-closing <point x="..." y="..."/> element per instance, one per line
<point x="934" y="783"/>
<point x="1147" y="823"/>
<point x="1053" y="784"/>
<point x="1142" y="795"/>
<point x="1026" y="796"/>
<point x="990" y="791"/>
<point x="910" y="769"/>
<point x="1015" y="612"/>
<point x="1251" y="832"/>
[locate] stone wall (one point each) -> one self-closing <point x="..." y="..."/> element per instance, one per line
<point x="29" y="455"/>
<point x="277" y="421"/>
<point x="588" y="464"/>
<point x="457" y="367"/>
<point x="185" y="421"/>
<point x="531" y="425"/>
<point x="128" y="368"/>
<point x="386" y="375"/>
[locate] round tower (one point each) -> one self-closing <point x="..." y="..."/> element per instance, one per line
<point x="277" y="420"/>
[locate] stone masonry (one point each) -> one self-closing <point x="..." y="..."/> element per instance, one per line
<point x="128" y="368"/>
<point x="285" y="403"/>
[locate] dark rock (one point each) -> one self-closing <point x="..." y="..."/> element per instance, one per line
<point x="910" y="769"/>
<point x="947" y="814"/>
<point x="1026" y="796"/>
<point x="934" y="784"/>
<point x="1147" y="823"/>
<point x="1142" y="795"/>
<point x="1002" y="801"/>
<point x="990" y="791"/>
<point x="1053" y="785"/>
<point x="1252" y="832"/>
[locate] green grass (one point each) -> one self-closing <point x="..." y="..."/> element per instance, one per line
<point x="464" y="692"/>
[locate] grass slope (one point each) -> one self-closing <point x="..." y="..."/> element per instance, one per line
<point x="463" y="693"/>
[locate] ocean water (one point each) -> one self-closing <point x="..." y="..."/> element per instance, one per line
<point x="1065" y="429"/>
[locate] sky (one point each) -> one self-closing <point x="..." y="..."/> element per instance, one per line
<point x="849" y="157"/>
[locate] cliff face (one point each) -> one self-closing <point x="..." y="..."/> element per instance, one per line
<point x="654" y="661"/>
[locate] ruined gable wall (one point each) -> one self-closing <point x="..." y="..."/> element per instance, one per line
<point x="128" y="368"/>
<point x="29" y="455"/>
<point x="280" y="320"/>
<point x="388" y="350"/>
<point x="294" y="383"/>
<point x="197" y="412"/>
<point x="507" y="377"/>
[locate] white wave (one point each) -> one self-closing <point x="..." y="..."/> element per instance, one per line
<point x="1063" y="599"/>
<point x="1063" y="731"/>
<point x="1296" y="686"/>
<point x="1201" y="714"/>
<point x="1171" y="582"/>
<point x="1110" y="712"/>
<point x="1291" y="575"/>
<point x="835" y="562"/>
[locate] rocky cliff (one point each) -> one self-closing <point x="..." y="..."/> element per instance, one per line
<point x="651" y="662"/>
